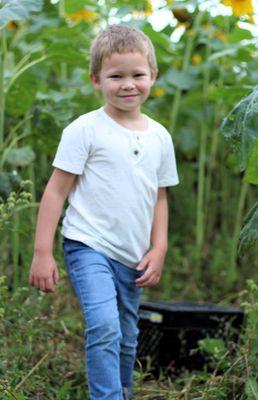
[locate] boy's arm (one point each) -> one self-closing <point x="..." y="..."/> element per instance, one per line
<point x="43" y="272"/>
<point x="153" y="261"/>
<point x="159" y="232"/>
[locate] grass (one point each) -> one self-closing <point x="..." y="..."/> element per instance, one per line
<point x="42" y="353"/>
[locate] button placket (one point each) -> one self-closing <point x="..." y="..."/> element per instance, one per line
<point x="137" y="145"/>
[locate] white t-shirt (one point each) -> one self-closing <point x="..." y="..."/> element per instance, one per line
<point x="111" y="206"/>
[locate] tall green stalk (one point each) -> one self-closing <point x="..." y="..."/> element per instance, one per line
<point x="175" y="110"/>
<point x="200" y="198"/>
<point x="61" y="9"/>
<point x="238" y="221"/>
<point x="185" y="66"/>
<point x="200" y="215"/>
<point x="172" y="125"/>
<point x="210" y="208"/>
<point x="2" y="94"/>
<point x="31" y="174"/>
<point x="15" y="240"/>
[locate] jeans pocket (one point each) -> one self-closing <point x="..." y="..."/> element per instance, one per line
<point x="72" y="250"/>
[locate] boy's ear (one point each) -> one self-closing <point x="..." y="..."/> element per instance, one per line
<point x="95" y="81"/>
<point x="153" y="77"/>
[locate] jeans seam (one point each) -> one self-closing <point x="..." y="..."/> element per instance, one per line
<point x="118" y="274"/>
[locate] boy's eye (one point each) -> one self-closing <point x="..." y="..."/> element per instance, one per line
<point x="117" y="76"/>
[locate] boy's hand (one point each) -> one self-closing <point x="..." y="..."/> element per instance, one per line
<point x="153" y="262"/>
<point x="44" y="273"/>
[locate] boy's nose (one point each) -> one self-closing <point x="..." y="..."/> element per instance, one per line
<point x="127" y="84"/>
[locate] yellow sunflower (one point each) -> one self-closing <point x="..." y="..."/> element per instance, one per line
<point x="190" y="32"/>
<point x="196" y="59"/>
<point x="148" y="9"/>
<point x="220" y="35"/>
<point x="12" y="25"/>
<point x="158" y="91"/>
<point x="206" y="25"/>
<point x="241" y="8"/>
<point x="176" y="64"/>
<point x="83" y="15"/>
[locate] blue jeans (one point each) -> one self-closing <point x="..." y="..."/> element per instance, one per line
<point x="110" y="301"/>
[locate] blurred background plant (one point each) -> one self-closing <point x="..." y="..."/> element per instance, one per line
<point x="206" y="92"/>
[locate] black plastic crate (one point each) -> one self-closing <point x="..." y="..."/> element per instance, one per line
<point x="170" y="331"/>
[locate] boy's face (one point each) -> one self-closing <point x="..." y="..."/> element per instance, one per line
<point x="125" y="81"/>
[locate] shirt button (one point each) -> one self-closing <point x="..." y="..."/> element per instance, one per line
<point x="136" y="152"/>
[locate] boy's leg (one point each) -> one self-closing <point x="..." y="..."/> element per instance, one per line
<point x="128" y="299"/>
<point x="93" y="279"/>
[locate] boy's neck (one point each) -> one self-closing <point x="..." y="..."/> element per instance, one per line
<point x="129" y="119"/>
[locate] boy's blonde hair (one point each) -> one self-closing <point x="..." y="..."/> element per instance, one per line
<point x="120" y="39"/>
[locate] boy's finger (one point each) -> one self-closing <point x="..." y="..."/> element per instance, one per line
<point x="144" y="283"/>
<point x="149" y="282"/>
<point x="35" y="283"/>
<point x="144" y="278"/>
<point x="55" y="276"/>
<point x="42" y="284"/>
<point x="48" y="285"/>
<point x="142" y="264"/>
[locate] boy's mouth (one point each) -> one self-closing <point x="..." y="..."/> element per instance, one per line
<point x="129" y="95"/>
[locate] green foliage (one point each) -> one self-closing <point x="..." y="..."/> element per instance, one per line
<point x="250" y="349"/>
<point x="182" y="80"/>
<point x="249" y="232"/>
<point x="75" y="6"/>
<point x="240" y="127"/>
<point x="22" y="94"/>
<point x="42" y="353"/>
<point x="44" y="85"/>
<point x="212" y="346"/>
<point x="251" y="174"/>
<point x="20" y="157"/>
<point x="13" y="203"/>
<point x="41" y="346"/>
<point x="16" y="10"/>
<point x="8" y="181"/>
<point x="251" y="389"/>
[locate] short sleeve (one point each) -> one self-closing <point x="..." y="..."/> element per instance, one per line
<point x="73" y="149"/>
<point x="167" y="174"/>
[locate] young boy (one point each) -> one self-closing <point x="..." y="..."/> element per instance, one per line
<point x="114" y="163"/>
